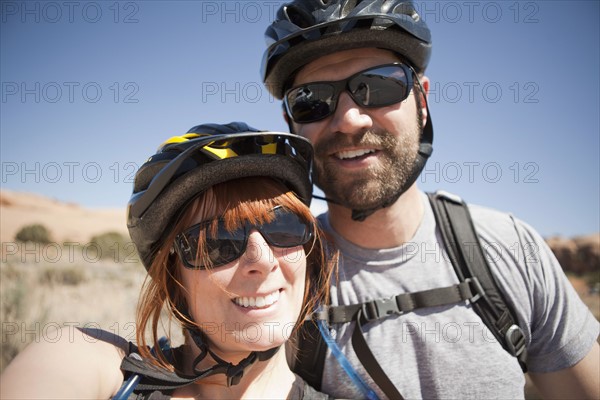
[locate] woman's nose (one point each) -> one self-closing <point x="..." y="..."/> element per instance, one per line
<point x="258" y="257"/>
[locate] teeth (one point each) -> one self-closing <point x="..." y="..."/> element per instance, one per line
<point x="257" y="302"/>
<point x="342" y="155"/>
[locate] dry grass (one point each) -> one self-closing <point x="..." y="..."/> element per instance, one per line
<point x="38" y="297"/>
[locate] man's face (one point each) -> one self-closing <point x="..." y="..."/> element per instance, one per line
<point x="362" y="155"/>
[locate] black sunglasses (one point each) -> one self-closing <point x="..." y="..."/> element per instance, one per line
<point x="223" y="246"/>
<point x="379" y="86"/>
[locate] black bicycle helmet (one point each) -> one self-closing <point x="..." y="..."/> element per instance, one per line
<point x="305" y="30"/>
<point x="185" y="166"/>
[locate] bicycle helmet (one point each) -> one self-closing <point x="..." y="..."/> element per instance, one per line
<point x="305" y="30"/>
<point x="185" y="166"/>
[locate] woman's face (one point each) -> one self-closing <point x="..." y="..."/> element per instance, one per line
<point x="251" y="303"/>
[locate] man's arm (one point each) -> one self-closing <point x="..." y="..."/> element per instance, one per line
<point x="581" y="381"/>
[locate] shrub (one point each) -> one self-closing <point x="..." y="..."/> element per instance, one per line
<point x="115" y="246"/>
<point x="72" y="276"/>
<point x="36" y="233"/>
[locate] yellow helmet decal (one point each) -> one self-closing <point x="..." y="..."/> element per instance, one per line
<point x="179" y="139"/>
<point x="270" y="148"/>
<point x="221" y="153"/>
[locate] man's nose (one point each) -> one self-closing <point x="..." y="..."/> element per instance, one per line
<point x="349" y="117"/>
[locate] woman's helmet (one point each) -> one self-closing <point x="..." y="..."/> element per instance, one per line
<point x="305" y="30"/>
<point x="183" y="168"/>
<point x="209" y="154"/>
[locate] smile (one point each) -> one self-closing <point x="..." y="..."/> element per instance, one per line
<point x="257" y="302"/>
<point x="343" y="155"/>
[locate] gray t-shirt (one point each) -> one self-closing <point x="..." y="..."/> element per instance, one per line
<point x="447" y="352"/>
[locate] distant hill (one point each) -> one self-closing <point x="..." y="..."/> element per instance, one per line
<point x="579" y="255"/>
<point x="66" y="221"/>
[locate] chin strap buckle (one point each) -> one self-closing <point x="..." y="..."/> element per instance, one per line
<point x="236" y="372"/>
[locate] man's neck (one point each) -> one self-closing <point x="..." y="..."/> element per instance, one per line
<point x="388" y="227"/>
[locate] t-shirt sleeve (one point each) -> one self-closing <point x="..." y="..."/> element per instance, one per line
<point x="562" y="328"/>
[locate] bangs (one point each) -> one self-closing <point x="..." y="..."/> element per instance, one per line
<point x="246" y="200"/>
<point x="237" y="203"/>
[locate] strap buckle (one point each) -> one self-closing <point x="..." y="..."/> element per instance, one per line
<point x="515" y="340"/>
<point x="323" y="314"/>
<point x="476" y="289"/>
<point x="380" y="308"/>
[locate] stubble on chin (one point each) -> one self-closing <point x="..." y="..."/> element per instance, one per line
<point x="370" y="186"/>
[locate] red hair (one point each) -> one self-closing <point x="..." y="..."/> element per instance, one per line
<point x="237" y="201"/>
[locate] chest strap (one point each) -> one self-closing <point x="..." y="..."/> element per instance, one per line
<point x="468" y="290"/>
<point x="403" y="303"/>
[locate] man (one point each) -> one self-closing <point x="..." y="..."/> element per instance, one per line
<point x="351" y="74"/>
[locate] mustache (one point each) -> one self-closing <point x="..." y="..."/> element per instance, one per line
<point x="339" y="141"/>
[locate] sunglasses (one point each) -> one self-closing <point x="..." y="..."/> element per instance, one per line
<point x="223" y="246"/>
<point x="379" y="86"/>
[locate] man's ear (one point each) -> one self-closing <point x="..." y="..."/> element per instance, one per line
<point x="425" y="84"/>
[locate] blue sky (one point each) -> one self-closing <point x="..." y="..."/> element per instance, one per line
<point x="90" y="89"/>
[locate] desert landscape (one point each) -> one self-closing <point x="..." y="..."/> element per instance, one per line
<point x="87" y="273"/>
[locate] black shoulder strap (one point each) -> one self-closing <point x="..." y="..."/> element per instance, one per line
<point x="310" y="357"/>
<point x="467" y="257"/>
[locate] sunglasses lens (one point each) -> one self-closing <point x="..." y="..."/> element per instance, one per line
<point x="286" y="230"/>
<point x="221" y="248"/>
<point x="187" y="246"/>
<point x="379" y="86"/>
<point x="375" y="87"/>
<point x="226" y="246"/>
<point x="310" y="102"/>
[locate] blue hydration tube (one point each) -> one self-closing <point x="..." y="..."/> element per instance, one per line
<point x="132" y="382"/>
<point x="345" y="364"/>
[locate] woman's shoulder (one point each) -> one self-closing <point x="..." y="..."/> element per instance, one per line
<point x="70" y="362"/>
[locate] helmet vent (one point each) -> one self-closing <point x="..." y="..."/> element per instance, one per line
<point x="348" y="7"/>
<point x="298" y="17"/>
<point x="406" y="9"/>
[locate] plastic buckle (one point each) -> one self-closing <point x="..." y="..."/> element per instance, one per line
<point x="379" y="308"/>
<point x="322" y="314"/>
<point x="234" y="376"/>
<point x="476" y="288"/>
<point x="515" y="340"/>
<point x="235" y="373"/>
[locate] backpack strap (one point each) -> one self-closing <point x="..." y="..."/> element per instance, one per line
<point x="310" y="357"/>
<point x="476" y="285"/>
<point x="467" y="257"/>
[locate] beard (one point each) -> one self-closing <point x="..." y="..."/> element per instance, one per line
<point x="369" y="187"/>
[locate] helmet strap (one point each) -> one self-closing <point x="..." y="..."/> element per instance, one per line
<point x="425" y="150"/>
<point x="234" y="373"/>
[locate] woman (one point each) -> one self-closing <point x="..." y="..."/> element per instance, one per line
<point x="221" y="222"/>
